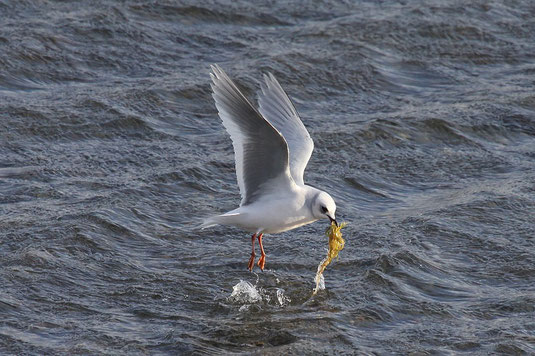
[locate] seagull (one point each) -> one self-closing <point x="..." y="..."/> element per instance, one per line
<point x="271" y="148"/>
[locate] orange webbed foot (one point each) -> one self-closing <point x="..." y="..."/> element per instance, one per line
<point x="251" y="262"/>
<point x="262" y="262"/>
<point x="251" y="259"/>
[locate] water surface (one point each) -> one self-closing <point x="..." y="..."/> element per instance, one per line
<point x="423" y="117"/>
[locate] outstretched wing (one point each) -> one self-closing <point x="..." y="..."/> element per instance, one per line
<point x="279" y="110"/>
<point x="261" y="152"/>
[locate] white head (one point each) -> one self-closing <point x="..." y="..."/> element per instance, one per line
<point x="323" y="206"/>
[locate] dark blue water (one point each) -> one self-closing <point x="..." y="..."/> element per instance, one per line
<point x="111" y="151"/>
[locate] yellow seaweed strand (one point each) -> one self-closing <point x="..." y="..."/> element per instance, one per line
<point x="336" y="244"/>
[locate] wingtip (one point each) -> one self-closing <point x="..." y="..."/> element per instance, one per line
<point x="219" y="74"/>
<point x="270" y="80"/>
<point x="216" y="70"/>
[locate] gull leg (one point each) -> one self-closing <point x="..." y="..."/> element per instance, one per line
<point x="262" y="260"/>
<point x="251" y="259"/>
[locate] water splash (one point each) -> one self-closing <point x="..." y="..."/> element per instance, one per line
<point x="319" y="279"/>
<point x="281" y="298"/>
<point x="245" y="292"/>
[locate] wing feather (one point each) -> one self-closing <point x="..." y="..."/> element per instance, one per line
<point x="278" y="109"/>
<point x="261" y="152"/>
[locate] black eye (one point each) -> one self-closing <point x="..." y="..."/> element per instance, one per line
<point x="323" y="209"/>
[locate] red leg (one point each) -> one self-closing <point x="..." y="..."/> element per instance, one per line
<point x="251" y="259"/>
<point x="262" y="260"/>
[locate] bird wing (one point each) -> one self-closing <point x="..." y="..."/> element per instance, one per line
<point x="278" y="109"/>
<point x="261" y="152"/>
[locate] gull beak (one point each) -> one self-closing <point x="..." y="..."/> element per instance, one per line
<point x="333" y="220"/>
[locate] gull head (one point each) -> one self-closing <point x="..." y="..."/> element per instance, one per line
<point x="323" y="207"/>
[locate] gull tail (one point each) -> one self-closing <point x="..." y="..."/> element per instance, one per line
<point x="223" y="219"/>
<point x="211" y="221"/>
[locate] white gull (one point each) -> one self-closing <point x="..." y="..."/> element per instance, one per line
<point x="272" y="148"/>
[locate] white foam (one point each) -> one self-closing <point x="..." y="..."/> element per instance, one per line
<point x="245" y="292"/>
<point x="283" y="300"/>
